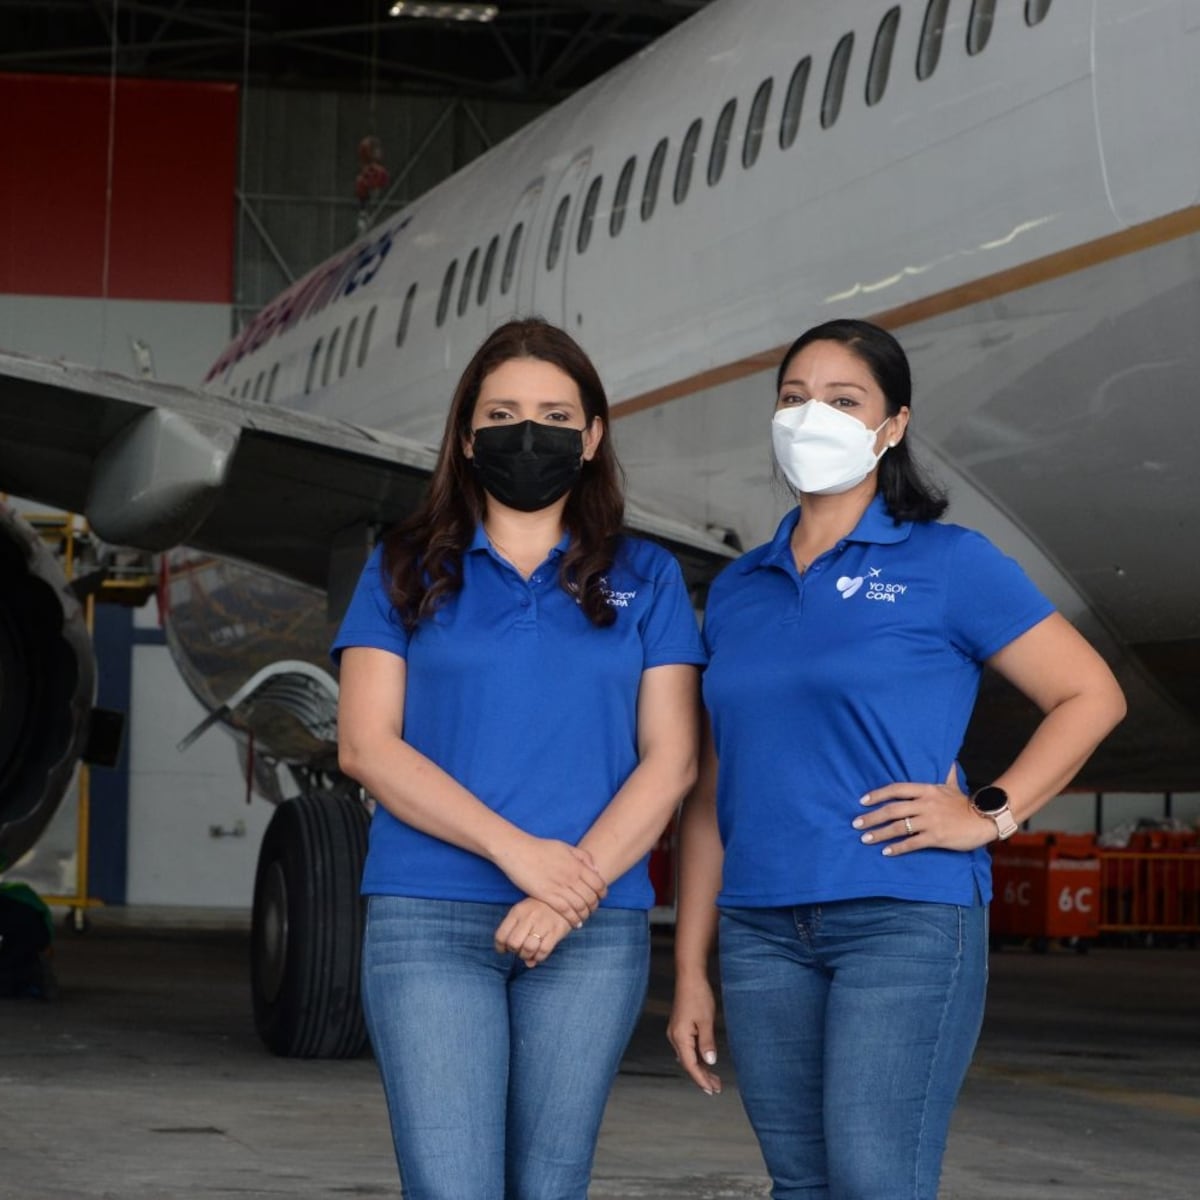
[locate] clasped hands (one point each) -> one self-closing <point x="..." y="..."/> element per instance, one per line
<point x="563" y="889"/>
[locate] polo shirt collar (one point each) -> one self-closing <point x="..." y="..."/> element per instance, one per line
<point x="480" y="542"/>
<point x="875" y="526"/>
<point x="878" y="526"/>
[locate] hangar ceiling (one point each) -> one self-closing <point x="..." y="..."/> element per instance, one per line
<point x="532" y="51"/>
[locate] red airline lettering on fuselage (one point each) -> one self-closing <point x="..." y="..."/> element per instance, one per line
<point x="316" y="291"/>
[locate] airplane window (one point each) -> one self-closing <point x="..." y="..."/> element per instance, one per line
<point x="1035" y="11"/>
<point x="330" y="355"/>
<point x="485" y="276"/>
<point x="588" y="217"/>
<point x="720" y="142"/>
<point x="464" y="292"/>
<point x="347" y="346"/>
<point x="931" y="37"/>
<point x="979" y="28"/>
<point x="835" y="81"/>
<point x="554" y="248"/>
<point x="687" y="156"/>
<point x="621" y="197"/>
<point x="405" y="314"/>
<point x="258" y="385"/>
<point x="364" y="344"/>
<point x="793" y="102"/>
<point x="447" y="288"/>
<point x="510" y="259"/>
<point x="881" y="55"/>
<point x="271" y="384"/>
<point x="756" y="124"/>
<point x="653" y="177"/>
<point x="313" y="359"/>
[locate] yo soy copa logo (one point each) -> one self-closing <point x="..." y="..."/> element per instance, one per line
<point x="876" y="588"/>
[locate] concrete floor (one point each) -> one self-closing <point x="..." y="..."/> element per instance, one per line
<point x="145" y="1081"/>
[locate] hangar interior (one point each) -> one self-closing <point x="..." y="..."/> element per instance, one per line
<point x="174" y="167"/>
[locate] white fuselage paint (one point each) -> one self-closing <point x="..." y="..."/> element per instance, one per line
<point x="1057" y="403"/>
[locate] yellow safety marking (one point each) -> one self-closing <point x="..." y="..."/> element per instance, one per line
<point x="1167" y="1102"/>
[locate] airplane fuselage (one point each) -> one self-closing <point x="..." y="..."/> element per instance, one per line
<point x="1016" y="197"/>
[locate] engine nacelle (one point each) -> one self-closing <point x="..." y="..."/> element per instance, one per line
<point x="47" y="685"/>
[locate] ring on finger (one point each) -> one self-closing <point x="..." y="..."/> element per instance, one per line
<point x="537" y="935"/>
<point x="908" y="826"/>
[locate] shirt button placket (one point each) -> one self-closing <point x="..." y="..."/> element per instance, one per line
<point x="527" y="603"/>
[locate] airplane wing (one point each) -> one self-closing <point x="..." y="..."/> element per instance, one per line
<point x="153" y="465"/>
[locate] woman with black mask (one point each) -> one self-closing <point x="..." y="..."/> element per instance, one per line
<point x="519" y="694"/>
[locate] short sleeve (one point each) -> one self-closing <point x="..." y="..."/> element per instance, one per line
<point x="990" y="601"/>
<point x="708" y="629"/>
<point x="670" y="633"/>
<point x="370" y="619"/>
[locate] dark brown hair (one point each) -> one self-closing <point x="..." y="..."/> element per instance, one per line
<point x="423" y="555"/>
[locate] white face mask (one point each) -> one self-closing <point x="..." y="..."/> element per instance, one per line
<point x="822" y="450"/>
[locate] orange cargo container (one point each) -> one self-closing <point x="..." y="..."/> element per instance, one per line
<point x="1045" y="885"/>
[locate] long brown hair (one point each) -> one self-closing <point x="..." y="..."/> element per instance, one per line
<point x="423" y="555"/>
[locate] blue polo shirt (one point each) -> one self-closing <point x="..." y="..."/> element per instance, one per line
<point x="861" y="672"/>
<point x="532" y="708"/>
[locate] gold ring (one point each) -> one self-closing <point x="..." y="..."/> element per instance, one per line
<point x="539" y="936"/>
<point x="908" y="825"/>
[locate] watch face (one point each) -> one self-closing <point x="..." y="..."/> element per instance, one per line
<point x="990" y="799"/>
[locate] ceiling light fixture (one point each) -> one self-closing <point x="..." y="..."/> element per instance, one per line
<point x="444" y="12"/>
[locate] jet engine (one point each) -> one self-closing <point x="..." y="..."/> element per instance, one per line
<point x="47" y="685"/>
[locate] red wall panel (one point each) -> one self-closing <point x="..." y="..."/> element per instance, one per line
<point x="171" y="227"/>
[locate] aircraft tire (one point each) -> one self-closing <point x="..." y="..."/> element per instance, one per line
<point x="306" y="938"/>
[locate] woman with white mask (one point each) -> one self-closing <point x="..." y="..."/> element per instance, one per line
<point x="832" y="836"/>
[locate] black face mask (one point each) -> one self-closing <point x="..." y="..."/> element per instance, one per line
<point x="528" y="465"/>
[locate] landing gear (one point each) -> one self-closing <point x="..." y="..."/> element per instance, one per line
<point x="307" y="928"/>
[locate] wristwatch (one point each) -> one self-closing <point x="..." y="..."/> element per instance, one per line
<point x="992" y="801"/>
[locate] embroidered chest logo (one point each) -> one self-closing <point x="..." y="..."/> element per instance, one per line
<point x="614" y="598"/>
<point x="877" y="588"/>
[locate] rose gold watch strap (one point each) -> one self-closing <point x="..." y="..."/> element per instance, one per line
<point x="1006" y="824"/>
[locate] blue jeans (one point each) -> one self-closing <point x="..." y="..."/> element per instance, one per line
<point x="851" y="1026"/>
<point x="497" y="1075"/>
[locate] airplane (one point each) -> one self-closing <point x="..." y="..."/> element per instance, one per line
<point x="1011" y="187"/>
